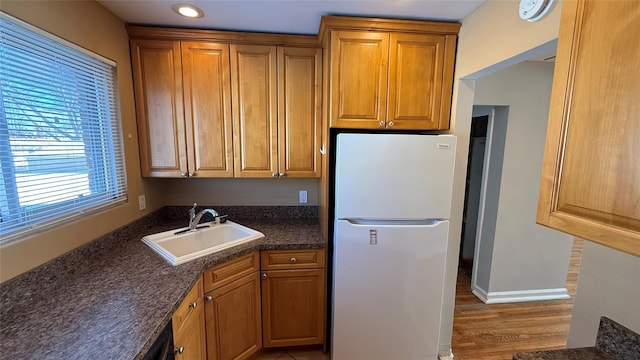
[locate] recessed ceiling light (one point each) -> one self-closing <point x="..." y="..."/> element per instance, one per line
<point x="188" y="10"/>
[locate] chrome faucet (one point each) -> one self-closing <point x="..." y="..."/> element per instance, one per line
<point x="194" y="218"/>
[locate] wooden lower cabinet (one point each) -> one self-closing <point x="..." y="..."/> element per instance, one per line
<point x="293" y="307"/>
<point x="293" y="297"/>
<point x="188" y="326"/>
<point x="245" y="309"/>
<point x="233" y="324"/>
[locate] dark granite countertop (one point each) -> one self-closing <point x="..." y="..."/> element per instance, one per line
<point x="614" y="341"/>
<point x="590" y="353"/>
<point x="111" y="298"/>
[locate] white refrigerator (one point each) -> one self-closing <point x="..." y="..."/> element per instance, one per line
<point x="392" y="205"/>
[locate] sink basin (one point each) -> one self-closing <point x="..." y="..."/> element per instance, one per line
<point x="181" y="245"/>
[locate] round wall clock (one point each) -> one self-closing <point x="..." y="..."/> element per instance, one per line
<point x="534" y="10"/>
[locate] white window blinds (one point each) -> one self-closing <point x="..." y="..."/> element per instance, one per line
<point x="61" y="152"/>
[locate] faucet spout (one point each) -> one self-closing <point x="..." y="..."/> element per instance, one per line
<point x="194" y="218"/>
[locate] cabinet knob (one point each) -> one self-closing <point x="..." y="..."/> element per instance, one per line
<point x="381" y="123"/>
<point x="179" y="350"/>
<point x="274" y="175"/>
<point x="293" y="260"/>
<point x="193" y="305"/>
<point x="183" y="174"/>
<point x="264" y="275"/>
<point x="281" y="175"/>
<point x="191" y="174"/>
<point x="209" y="298"/>
<point x="390" y="123"/>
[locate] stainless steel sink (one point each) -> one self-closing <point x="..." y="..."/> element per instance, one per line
<point x="182" y="245"/>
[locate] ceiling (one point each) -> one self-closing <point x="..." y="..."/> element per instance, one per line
<point x="289" y="16"/>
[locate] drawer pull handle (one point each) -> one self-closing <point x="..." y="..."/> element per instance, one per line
<point x="293" y="260"/>
<point x="209" y="298"/>
<point x="264" y="275"/>
<point x="179" y="350"/>
<point x="193" y="305"/>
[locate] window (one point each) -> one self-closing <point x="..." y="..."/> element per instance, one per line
<point x="61" y="153"/>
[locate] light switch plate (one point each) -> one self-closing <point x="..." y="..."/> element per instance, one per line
<point x="142" y="203"/>
<point x="302" y="197"/>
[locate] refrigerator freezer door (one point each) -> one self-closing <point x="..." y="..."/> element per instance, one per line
<point x="394" y="176"/>
<point x="387" y="295"/>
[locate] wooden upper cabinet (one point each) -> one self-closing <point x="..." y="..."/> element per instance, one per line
<point x="183" y="105"/>
<point x="255" y="127"/>
<point x="359" y="62"/>
<point x="227" y="104"/>
<point x="391" y="74"/>
<point x="276" y="110"/>
<point x="590" y="184"/>
<point x="157" y="76"/>
<point x="420" y="81"/>
<point x="299" y="111"/>
<point x="207" y="110"/>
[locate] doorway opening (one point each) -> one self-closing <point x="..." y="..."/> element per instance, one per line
<point x="477" y="145"/>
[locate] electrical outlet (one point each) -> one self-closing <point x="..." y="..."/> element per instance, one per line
<point x="302" y="196"/>
<point x="142" y="203"/>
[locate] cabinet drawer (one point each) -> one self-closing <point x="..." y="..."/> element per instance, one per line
<point x="292" y="259"/>
<point x="231" y="270"/>
<point x="192" y="301"/>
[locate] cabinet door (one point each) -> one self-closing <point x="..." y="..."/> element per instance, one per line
<point x="255" y="128"/>
<point x="293" y="307"/>
<point x="420" y="81"/>
<point x="188" y="326"/>
<point x="191" y="343"/>
<point x="233" y="319"/>
<point x="358" y="80"/>
<point x="299" y="102"/>
<point x="590" y="184"/>
<point x="207" y="108"/>
<point x="159" y="108"/>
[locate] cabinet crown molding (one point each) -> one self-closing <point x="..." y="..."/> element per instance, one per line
<point x="220" y="36"/>
<point x="329" y="22"/>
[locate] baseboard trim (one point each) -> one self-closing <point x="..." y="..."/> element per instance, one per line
<point x="479" y="293"/>
<point x="501" y="297"/>
<point x="446" y="355"/>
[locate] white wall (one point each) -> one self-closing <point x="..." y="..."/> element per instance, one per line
<point x="608" y="285"/>
<point x="494" y="37"/>
<point x="491" y="38"/>
<point x="529" y="261"/>
<point x="228" y="192"/>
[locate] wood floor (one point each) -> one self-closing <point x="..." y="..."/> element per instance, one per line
<point x="497" y="331"/>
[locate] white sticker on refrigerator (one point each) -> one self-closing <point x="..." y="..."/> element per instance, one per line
<point x="373" y="237"/>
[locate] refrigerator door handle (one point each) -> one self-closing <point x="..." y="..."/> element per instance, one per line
<point x="423" y="222"/>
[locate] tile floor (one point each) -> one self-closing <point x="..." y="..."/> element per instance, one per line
<point x="306" y="354"/>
